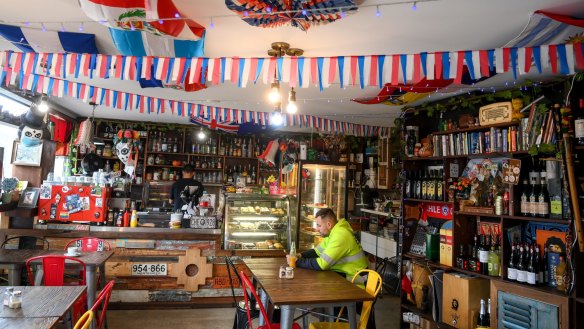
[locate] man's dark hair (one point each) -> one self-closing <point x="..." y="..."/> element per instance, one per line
<point x="188" y="168"/>
<point x="327" y="214"/>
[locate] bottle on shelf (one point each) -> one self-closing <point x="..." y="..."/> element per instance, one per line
<point x="484" y="254"/>
<point x="579" y="123"/>
<point x="512" y="265"/>
<point x="461" y="258"/>
<point x="543" y="198"/>
<point x="424" y="185"/>
<point x="560" y="273"/>
<point x="493" y="267"/>
<point x="521" y="265"/>
<point x="440" y="185"/>
<point x="431" y="186"/>
<point x="483" y="321"/>
<point x="531" y="268"/>
<point x="533" y="205"/>
<point x="544" y="265"/>
<point x="525" y="205"/>
<point x="418" y="189"/>
<point x="407" y="190"/>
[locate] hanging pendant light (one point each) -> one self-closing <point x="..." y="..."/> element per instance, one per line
<point x="201" y="134"/>
<point x="274" y="95"/>
<point x="292" y="108"/>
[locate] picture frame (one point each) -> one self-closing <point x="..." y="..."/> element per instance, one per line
<point x="29" y="197"/>
<point x="27" y="155"/>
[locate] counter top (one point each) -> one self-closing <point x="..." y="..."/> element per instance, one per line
<point x="153" y="230"/>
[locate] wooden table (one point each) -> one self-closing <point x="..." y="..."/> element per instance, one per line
<point x="308" y="289"/>
<point x="42" y="306"/>
<point x="15" y="259"/>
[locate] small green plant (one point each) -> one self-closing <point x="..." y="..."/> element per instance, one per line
<point x="9" y="184"/>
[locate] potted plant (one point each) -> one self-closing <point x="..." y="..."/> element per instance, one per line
<point x="8" y="188"/>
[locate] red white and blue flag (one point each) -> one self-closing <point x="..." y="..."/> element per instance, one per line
<point x="223" y="125"/>
<point x="545" y="28"/>
<point x="148" y="27"/>
<point x="45" y="41"/>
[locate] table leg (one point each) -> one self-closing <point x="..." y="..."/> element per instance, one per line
<point x="287" y="316"/>
<point x="352" y="312"/>
<point x="14" y="274"/>
<point x="90" y="278"/>
<point x="264" y="301"/>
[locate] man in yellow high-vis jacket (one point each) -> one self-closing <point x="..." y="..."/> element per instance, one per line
<point x="339" y="251"/>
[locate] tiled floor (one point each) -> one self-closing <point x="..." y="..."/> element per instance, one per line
<point x="386" y="317"/>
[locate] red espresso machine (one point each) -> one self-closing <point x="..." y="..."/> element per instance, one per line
<point x="65" y="203"/>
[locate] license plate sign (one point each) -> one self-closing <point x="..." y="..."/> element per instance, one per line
<point x="149" y="269"/>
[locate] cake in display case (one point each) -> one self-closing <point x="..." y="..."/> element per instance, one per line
<point x="257" y="221"/>
<point x="321" y="185"/>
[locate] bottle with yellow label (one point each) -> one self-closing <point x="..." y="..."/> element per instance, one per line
<point x="134" y="219"/>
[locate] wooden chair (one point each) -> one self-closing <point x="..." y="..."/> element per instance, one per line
<point x="101" y="304"/>
<point x="53" y="267"/>
<point x="246" y="285"/>
<point x="373" y="287"/>
<point x="85" y="320"/>
<point x="90" y="244"/>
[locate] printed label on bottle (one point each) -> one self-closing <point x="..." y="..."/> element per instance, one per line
<point x="531" y="277"/>
<point x="483" y="256"/>
<point x="579" y="128"/>
<point x="543" y="209"/>
<point x="512" y="274"/>
<point x="524" y="205"/>
<point x="556" y="207"/>
<point x="521" y="276"/>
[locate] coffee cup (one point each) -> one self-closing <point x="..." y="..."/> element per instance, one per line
<point x="73" y="250"/>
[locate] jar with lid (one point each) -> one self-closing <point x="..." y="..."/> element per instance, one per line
<point x="15" y="299"/>
<point x="7" y="293"/>
<point x="165" y="174"/>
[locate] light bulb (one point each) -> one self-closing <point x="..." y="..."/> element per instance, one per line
<point x="274" y="95"/>
<point x="292" y="108"/>
<point x="377" y="12"/>
<point x="276" y="118"/>
<point x="201" y="134"/>
<point x="43" y="107"/>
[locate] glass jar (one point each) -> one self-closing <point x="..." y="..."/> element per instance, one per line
<point x="7" y="293"/>
<point x="15" y="300"/>
<point x="150" y="160"/>
<point x="107" y="150"/>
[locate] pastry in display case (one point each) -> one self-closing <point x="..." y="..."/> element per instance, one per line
<point x="320" y="186"/>
<point x="257" y="221"/>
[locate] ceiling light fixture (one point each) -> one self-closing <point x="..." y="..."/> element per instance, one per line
<point x="276" y="118"/>
<point x="274" y="95"/>
<point x="292" y="107"/>
<point x="201" y="134"/>
<point x="377" y="12"/>
<point x="414" y="6"/>
<point x="43" y="104"/>
<point x="211" y="25"/>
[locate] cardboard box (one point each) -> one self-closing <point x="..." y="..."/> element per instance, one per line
<point x="461" y="299"/>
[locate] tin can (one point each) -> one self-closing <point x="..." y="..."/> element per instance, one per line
<point x="289" y="272"/>
<point x="498" y="205"/>
<point x="282" y="273"/>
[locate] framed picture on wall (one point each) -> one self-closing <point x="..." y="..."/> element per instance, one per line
<point x="29" y="197"/>
<point x="27" y="155"/>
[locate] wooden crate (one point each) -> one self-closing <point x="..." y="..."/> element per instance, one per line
<point x="461" y="300"/>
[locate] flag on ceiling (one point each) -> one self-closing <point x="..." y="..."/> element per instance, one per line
<point x="546" y="28"/>
<point x="36" y="40"/>
<point x="227" y="126"/>
<point x="148" y="27"/>
<point x="298" y="13"/>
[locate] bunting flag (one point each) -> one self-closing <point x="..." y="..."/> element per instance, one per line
<point x="298" y="13"/>
<point x="147" y="27"/>
<point x="546" y="28"/>
<point x="35" y="40"/>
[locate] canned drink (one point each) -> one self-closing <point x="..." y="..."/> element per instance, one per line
<point x="282" y="273"/>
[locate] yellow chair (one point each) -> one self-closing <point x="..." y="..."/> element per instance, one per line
<point x="373" y="287"/>
<point x="85" y="320"/>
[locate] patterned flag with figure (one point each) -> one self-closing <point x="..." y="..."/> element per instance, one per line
<point x="147" y="27"/>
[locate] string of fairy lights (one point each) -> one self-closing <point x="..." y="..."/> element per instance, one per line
<point x="211" y="19"/>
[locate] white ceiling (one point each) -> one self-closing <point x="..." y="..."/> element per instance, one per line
<point x="435" y="26"/>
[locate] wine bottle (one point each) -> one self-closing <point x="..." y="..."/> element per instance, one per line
<point x="493" y="261"/>
<point x="544" y="197"/>
<point x="544" y="265"/>
<point x="579" y="123"/>
<point x="512" y="266"/>
<point x="521" y="266"/>
<point x="440" y="186"/>
<point x="460" y="258"/>
<point x="408" y="187"/>
<point x="533" y="205"/>
<point x="483" y="320"/>
<point x="525" y="208"/>
<point x="531" y="271"/>
<point x="419" y="185"/>
<point x="424" y="185"/>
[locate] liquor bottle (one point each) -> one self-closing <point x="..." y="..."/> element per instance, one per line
<point x="407" y="188"/>
<point x="483" y="320"/>
<point x="512" y="266"/>
<point x="560" y="272"/>
<point x="521" y="266"/>
<point x="164" y="145"/>
<point x="489" y="312"/>
<point x="424" y="184"/>
<point x="461" y="258"/>
<point x="419" y="185"/>
<point x="525" y="207"/>
<point x="493" y="261"/>
<point x="531" y="270"/>
<point x="243" y="148"/>
<point x="544" y="198"/>
<point x="579" y="123"/>
<point x="175" y="145"/>
<point x="258" y="152"/>
<point x="473" y="261"/>
<point x="440" y="186"/>
<point x="533" y="205"/>
<point x="545" y="266"/>
<point x="253" y="175"/>
<point x="484" y="254"/>
<point x="249" y="148"/>
<point x="538" y="266"/>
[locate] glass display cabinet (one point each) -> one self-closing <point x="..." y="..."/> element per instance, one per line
<point x="257" y="221"/>
<point x="320" y="185"/>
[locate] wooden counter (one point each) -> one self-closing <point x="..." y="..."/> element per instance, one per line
<point x="143" y="245"/>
